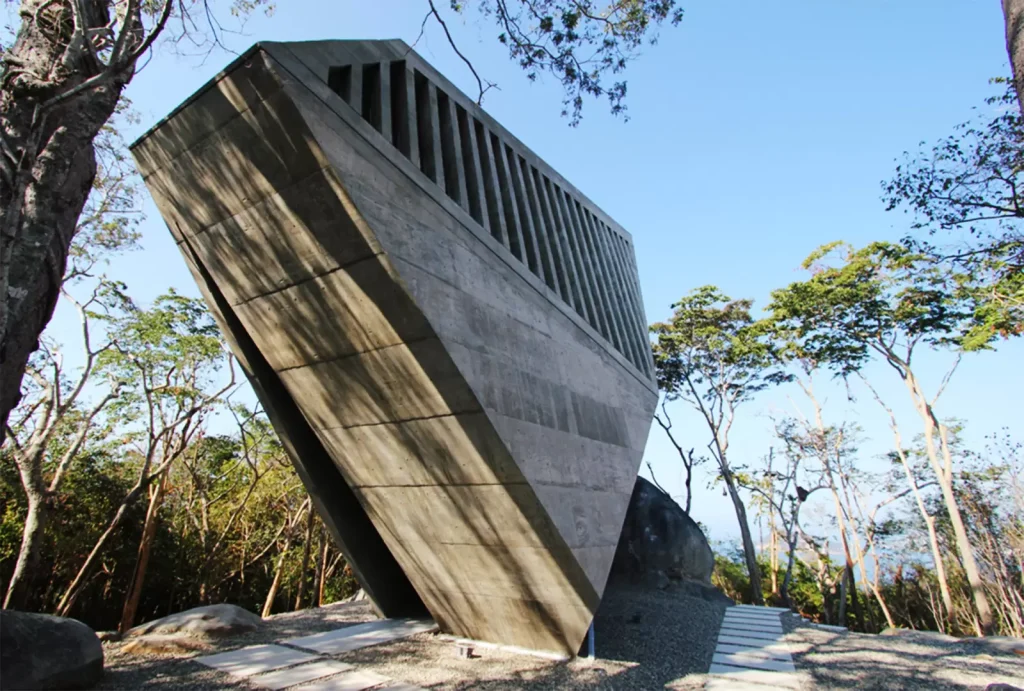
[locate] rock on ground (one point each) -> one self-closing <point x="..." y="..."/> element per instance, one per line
<point x="660" y="541"/>
<point x="160" y="644"/>
<point x="40" y="651"/>
<point x="211" y="621"/>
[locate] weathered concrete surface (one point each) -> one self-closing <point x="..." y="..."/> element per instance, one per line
<point x="447" y="335"/>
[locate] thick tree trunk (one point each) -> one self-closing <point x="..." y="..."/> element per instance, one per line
<point x="47" y="174"/>
<point x="28" y="555"/>
<point x="749" y="553"/>
<point x="1013" y="13"/>
<point x="131" y="602"/>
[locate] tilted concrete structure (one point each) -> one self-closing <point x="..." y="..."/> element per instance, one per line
<point x="446" y="334"/>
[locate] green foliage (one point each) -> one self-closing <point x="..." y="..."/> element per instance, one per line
<point x="187" y="566"/>
<point x="713" y="343"/>
<point x="967" y="193"/>
<point x="730" y="576"/>
<point x="578" y="42"/>
<point x="883" y="299"/>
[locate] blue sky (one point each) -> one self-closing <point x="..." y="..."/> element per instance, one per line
<point x="757" y="132"/>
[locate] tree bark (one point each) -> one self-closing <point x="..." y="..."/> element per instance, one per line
<point x="1013" y="13"/>
<point x="305" y="560"/>
<point x="944" y="475"/>
<point x="48" y="168"/>
<point x="321" y="572"/>
<point x="843" y="585"/>
<point x="67" y="601"/>
<point x="749" y="553"/>
<point x="131" y="602"/>
<point x="268" y="604"/>
<point x="28" y="555"/>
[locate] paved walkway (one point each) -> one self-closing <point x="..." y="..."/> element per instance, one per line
<point x="750" y="654"/>
<point x="301" y="664"/>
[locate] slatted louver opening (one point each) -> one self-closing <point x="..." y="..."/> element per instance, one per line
<point x="372" y="109"/>
<point x="471" y="168"/>
<point x="558" y="237"/>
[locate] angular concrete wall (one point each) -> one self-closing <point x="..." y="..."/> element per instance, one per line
<point x="447" y="334"/>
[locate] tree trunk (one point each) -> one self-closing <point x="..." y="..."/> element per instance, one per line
<point x="305" y="559"/>
<point x="67" y="601"/>
<point x="788" y="578"/>
<point x="268" y="604"/>
<point x="28" y="556"/>
<point x="47" y="175"/>
<point x="321" y="577"/>
<point x="773" y="553"/>
<point x="131" y="602"/>
<point x="855" y="596"/>
<point x="841" y="615"/>
<point x="749" y="554"/>
<point x="1013" y="13"/>
<point x="963" y="542"/>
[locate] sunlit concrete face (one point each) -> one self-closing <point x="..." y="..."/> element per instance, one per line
<point x="446" y="334"/>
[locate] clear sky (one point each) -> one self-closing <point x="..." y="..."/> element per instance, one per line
<point x="758" y="131"/>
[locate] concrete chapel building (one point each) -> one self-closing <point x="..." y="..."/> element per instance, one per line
<point x="448" y="336"/>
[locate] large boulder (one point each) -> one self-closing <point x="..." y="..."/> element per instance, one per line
<point x="211" y="621"/>
<point x="40" y="651"/>
<point x="660" y="543"/>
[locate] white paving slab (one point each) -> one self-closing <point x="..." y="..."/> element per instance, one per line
<point x="756" y="621"/>
<point x="787" y="680"/>
<point x="283" y="678"/>
<point x="362" y="635"/>
<point x="719" y="684"/>
<point x="255" y="659"/>
<point x="761" y="620"/>
<point x="767" y="611"/>
<point x="760" y="643"/>
<point x="767" y="652"/>
<point x="753" y="662"/>
<point x="747" y="633"/>
<point x="399" y="687"/>
<point x="349" y="681"/>
<point x="752" y="614"/>
<point x="753" y="625"/>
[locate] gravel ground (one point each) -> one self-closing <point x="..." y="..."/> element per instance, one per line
<point x="645" y="640"/>
<point x="909" y="660"/>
